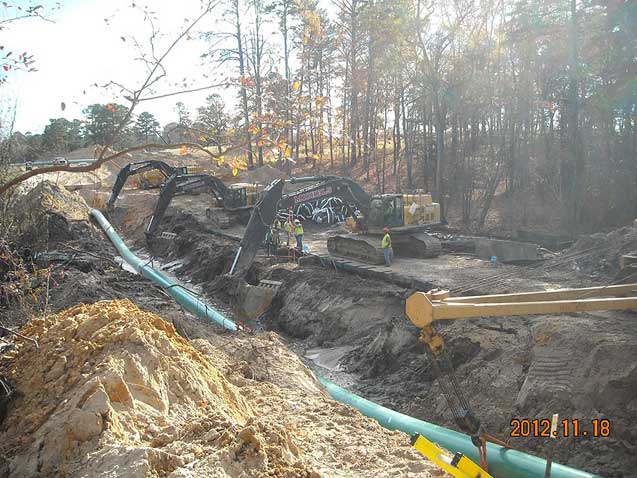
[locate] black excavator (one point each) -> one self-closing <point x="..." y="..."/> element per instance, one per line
<point x="407" y="215"/>
<point x="235" y="200"/>
<point x="163" y="170"/>
<point x="261" y="219"/>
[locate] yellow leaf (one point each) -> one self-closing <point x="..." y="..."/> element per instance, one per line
<point x="183" y="151"/>
<point x="220" y="160"/>
<point x="296" y="85"/>
<point x="288" y="152"/>
<point x="235" y="171"/>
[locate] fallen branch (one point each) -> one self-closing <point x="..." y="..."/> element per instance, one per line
<point x="35" y="342"/>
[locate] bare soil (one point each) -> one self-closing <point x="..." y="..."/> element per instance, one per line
<point x="354" y="329"/>
<point x="581" y="366"/>
<point x="116" y="390"/>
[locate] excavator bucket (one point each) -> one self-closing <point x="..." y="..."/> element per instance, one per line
<point x="254" y="300"/>
<point x="261" y="220"/>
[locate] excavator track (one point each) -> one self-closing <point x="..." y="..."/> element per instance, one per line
<point x="417" y="244"/>
<point x="367" y="248"/>
<point x="360" y="248"/>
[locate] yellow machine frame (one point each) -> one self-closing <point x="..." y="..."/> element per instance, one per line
<point x="458" y="465"/>
<point x="423" y="308"/>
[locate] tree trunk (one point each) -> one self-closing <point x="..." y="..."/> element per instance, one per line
<point x="244" y="93"/>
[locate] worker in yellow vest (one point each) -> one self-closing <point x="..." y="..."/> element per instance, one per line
<point x="288" y="229"/>
<point x="385" y="244"/>
<point x="298" y="234"/>
<point x="276" y="232"/>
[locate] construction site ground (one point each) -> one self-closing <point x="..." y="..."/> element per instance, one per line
<point x="138" y="392"/>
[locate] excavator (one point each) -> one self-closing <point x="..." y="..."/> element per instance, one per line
<point x="230" y="202"/>
<point x="408" y="215"/>
<point x="152" y="174"/>
<point x="425" y="308"/>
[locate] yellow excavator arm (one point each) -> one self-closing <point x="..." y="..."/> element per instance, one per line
<point x="424" y="308"/>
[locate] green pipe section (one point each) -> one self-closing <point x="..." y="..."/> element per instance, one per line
<point x="503" y="463"/>
<point x="70" y="161"/>
<point x="182" y="296"/>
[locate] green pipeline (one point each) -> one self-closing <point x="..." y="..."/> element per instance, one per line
<point x="181" y="295"/>
<point x="503" y="463"/>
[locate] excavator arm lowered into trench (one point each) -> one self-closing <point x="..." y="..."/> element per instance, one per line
<point x="231" y="199"/>
<point x="139" y="167"/>
<point x="423" y="309"/>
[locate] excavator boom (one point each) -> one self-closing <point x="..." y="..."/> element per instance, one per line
<point x="261" y="219"/>
<point x="138" y="167"/>
<point x="425" y="308"/>
<point x="232" y="199"/>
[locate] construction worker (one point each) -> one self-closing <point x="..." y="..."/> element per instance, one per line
<point x="269" y="241"/>
<point x="385" y="244"/>
<point x="288" y="227"/>
<point x="276" y="233"/>
<point x="298" y="234"/>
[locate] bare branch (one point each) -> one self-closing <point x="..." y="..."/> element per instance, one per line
<point x="182" y="92"/>
<point x="104" y="159"/>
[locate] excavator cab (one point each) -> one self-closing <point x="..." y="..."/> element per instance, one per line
<point x="235" y="198"/>
<point x="386" y="211"/>
<point x="243" y="194"/>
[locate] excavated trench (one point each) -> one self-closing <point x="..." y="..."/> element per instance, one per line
<point x="353" y="331"/>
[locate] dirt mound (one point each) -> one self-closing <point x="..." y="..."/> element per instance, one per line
<point x="604" y="251"/>
<point x="263" y="175"/>
<point x="112" y="378"/>
<point x="50" y="213"/>
<point x="116" y="391"/>
<point x="333" y="439"/>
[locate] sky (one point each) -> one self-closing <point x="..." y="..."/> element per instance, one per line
<point x="78" y="48"/>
